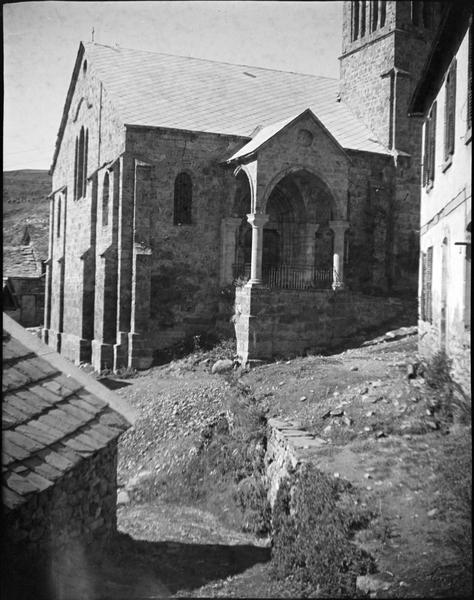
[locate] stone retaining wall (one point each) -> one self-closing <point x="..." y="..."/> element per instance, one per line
<point x="288" y="445"/>
<point x="290" y="322"/>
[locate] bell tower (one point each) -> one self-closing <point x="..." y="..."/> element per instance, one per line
<point x="384" y="47"/>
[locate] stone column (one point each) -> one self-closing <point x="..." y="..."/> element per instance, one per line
<point x="229" y="227"/>
<point x="257" y="221"/>
<point x="338" y="227"/>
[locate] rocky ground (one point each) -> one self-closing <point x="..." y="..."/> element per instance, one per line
<point x="383" y="434"/>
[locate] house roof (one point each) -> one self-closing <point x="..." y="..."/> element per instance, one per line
<point x="453" y="25"/>
<point x="53" y="415"/>
<point x="262" y="136"/>
<point x="176" y="92"/>
<point x="21" y="261"/>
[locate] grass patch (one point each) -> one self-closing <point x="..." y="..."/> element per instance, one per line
<point x="315" y="518"/>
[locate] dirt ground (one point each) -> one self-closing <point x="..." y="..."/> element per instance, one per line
<point x="383" y="436"/>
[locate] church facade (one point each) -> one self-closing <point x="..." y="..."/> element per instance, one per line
<point x="174" y="177"/>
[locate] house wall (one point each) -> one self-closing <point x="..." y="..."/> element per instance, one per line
<point x="445" y="214"/>
<point x="29" y="292"/>
<point x="55" y="527"/>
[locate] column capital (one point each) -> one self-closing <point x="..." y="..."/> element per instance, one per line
<point x="339" y="225"/>
<point x="257" y="219"/>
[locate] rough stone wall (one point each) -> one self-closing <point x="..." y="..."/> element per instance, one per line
<point x="78" y="510"/>
<point x="290" y="322"/>
<point x="288" y="445"/>
<point x="384" y="218"/>
<point x="185" y="259"/>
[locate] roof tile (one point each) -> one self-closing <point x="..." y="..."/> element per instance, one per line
<point x="19" y="484"/>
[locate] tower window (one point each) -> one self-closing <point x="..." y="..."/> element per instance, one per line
<point x="382" y="13"/>
<point x="416" y="12"/>
<point x="374" y="16"/>
<point x="363" y="17"/>
<point x="183" y="197"/>
<point x="450" y="112"/>
<point x="105" y="201"/>
<point x="355" y="20"/>
<point x="430" y="145"/>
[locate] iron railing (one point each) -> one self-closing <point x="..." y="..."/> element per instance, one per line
<point x="290" y="277"/>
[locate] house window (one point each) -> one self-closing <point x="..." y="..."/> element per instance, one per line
<point x="80" y="164"/>
<point x="355" y="20"/>
<point x="105" y="200"/>
<point x="427" y="15"/>
<point x="450" y="112"/>
<point x="430" y="145"/>
<point x="183" y="197"/>
<point x="426" y="312"/>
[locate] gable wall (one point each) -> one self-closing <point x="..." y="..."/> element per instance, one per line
<point x="91" y="108"/>
<point x="322" y="158"/>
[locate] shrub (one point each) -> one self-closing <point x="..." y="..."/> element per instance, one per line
<point x="449" y="399"/>
<point x="313" y="523"/>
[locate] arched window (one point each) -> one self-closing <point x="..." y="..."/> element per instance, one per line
<point x="80" y="164"/>
<point x="58" y="230"/>
<point x="105" y="201"/>
<point x="183" y="197"/>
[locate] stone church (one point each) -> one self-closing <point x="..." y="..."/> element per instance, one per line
<point x="175" y="177"/>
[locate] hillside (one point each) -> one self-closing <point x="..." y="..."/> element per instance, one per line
<point x="25" y="202"/>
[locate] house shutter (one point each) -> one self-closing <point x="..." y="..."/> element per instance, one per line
<point x="426" y="152"/>
<point x="469" y="80"/>
<point x="450" y="111"/>
<point x="428" y="280"/>
<point x="432" y="142"/>
<point x="422" y="287"/>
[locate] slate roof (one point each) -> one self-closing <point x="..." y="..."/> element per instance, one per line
<point x="21" y="261"/>
<point x="161" y="90"/>
<point x="53" y="415"/>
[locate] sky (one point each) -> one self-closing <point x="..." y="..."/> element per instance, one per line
<point x="41" y="41"/>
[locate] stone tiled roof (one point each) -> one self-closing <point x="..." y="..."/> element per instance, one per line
<point x="21" y="261"/>
<point x="53" y="415"/>
<point x="161" y="90"/>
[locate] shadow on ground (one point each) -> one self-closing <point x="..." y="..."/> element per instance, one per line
<point x="114" y="384"/>
<point x="180" y="566"/>
<point x="130" y="569"/>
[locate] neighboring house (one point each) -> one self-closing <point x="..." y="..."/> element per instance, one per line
<point x="444" y="97"/>
<point x="23" y="284"/>
<point x="59" y="455"/>
<point x="173" y="176"/>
